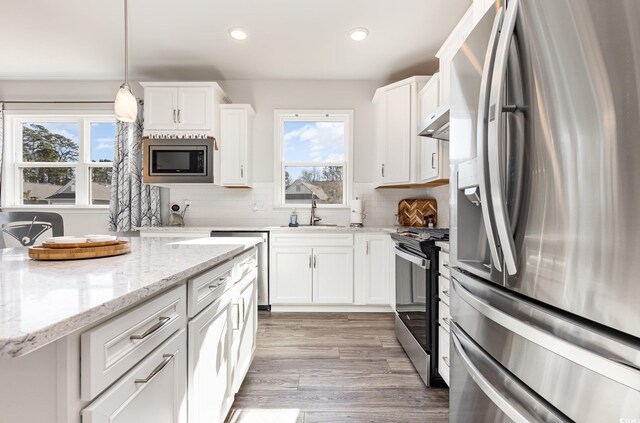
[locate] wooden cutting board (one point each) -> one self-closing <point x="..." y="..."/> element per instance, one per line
<point x="84" y="252"/>
<point x="412" y="211"/>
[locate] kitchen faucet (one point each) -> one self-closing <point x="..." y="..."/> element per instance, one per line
<point x="314" y="219"/>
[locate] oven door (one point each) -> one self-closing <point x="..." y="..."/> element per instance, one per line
<point x="412" y="293"/>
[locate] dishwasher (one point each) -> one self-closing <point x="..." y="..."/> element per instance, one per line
<point x="263" y="262"/>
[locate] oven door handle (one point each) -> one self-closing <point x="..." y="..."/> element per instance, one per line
<point x="422" y="263"/>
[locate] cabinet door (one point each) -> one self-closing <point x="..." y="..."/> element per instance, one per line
<point x="376" y="272"/>
<point x="160" y="108"/>
<point x="233" y="147"/>
<point x="195" y="105"/>
<point x="397" y="135"/>
<point x="291" y="275"/>
<point x="429" y="159"/>
<point x="333" y="275"/>
<point x="244" y="337"/>
<point x="210" y="394"/>
<point x="430" y="96"/>
<point x="153" y="391"/>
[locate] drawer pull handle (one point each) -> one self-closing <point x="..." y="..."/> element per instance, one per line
<point x="446" y="292"/>
<point x="166" y="359"/>
<point x="236" y="322"/>
<point x="446" y="320"/>
<point x="446" y="265"/>
<point x="446" y="361"/>
<point x="220" y="282"/>
<point x="163" y="321"/>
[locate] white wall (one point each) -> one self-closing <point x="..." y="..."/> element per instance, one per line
<point x="221" y="206"/>
<point x="266" y="96"/>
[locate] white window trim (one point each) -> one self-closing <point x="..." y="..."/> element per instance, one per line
<point x="12" y="157"/>
<point x="330" y="115"/>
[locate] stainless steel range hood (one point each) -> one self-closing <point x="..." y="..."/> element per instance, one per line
<point x="436" y="125"/>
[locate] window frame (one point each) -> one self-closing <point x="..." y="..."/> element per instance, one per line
<point x="12" y="177"/>
<point x="327" y="115"/>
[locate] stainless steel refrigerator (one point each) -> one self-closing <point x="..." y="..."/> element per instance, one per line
<point x="545" y="224"/>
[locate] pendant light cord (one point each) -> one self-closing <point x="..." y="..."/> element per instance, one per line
<point x="126" y="43"/>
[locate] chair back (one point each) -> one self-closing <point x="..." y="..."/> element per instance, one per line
<point x="25" y="228"/>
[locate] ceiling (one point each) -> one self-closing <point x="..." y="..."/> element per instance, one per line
<point x="188" y="39"/>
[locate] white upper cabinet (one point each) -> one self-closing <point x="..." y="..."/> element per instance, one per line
<point x="449" y="50"/>
<point x="235" y="144"/>
<point x="429" y="96"/>
<point x="161" y="108"/>
<point x="397" y="117"/>
<point x="182" y="108"/>
<point x="195" y="108"/>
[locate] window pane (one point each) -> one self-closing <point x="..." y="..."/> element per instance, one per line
<point x="49" y="185"/>
<point x="313" y="141"/>
<point x="325" y="181"/>
<point x="100" y="185"/>
<point x="50" y="142"/>
<point x="103" y="135"/>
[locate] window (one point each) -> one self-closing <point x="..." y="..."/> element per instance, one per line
<point x="313" y="157"/>
<point x="59" y="160"/>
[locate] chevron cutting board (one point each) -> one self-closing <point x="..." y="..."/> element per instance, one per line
<point x="412" y="211"/>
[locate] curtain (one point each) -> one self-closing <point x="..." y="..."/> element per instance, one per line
<point x="132" y="204"/>
<point x="1" y="142"/>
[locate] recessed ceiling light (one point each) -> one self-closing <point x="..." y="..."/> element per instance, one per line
<point x="358" y="34"/>
<point x="238" y="34"/>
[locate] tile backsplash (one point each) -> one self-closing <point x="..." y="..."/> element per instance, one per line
<point x="213" y="205"/>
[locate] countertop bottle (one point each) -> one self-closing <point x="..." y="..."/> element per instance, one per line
<point x="293" y="219"/>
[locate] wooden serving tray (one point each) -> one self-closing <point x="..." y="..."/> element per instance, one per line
<point x="58" y="245"/>
<point x="44" y="253"/>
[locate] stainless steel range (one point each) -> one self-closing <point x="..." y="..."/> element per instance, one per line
<point x="417" y="298"/>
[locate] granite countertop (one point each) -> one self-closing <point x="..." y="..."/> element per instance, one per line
<point x="266" y="229"/>
<point x="42" y="301"/>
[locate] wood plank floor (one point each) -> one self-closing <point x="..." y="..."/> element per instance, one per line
<point x="333" y="367"/>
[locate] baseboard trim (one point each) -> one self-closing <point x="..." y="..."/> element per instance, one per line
<point x="318" y="308"/>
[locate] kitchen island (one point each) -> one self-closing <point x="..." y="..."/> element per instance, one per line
<point x="75" y="333"/>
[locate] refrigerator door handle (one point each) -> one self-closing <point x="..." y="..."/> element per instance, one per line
<point x="510" y="387"/>
<point x="481" y="138"/>
<point x="532" y="326"/>
<point x="503" y="227"/>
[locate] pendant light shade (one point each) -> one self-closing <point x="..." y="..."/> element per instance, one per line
<point x="126" y="104"/>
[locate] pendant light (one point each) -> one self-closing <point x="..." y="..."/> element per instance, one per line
<point x="126" y="104"/>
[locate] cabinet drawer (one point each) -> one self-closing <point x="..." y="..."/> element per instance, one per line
<point x="111" y="349"/>
<point x="244" y="264"/>
<point x="153" y="391"/>
<point x="444" y="264"/>
<point x="444" y="290"/>
<point x="444" y="316"/>
<point x="307" y="239"/>
<point x="209" y="286"/>
<point x="443" y="354"/>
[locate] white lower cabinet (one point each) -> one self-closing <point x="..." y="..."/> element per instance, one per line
<point x="291" y="273"/>
<point x="245" y="329"/>
<point x="333" y="275"/>
<point x="210" y="394"/>
<point x="373" y="259"/>
<point x="312" y="275"/>
<point x="155" y="390"/>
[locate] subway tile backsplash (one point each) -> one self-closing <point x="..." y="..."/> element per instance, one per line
<point x="213" y="205"/>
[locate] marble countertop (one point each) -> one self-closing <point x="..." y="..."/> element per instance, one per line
<point x="265" y="229"/>
<point x="42" y="301"/>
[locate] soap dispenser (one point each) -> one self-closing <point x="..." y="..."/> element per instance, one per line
<point x="293" y="219"/>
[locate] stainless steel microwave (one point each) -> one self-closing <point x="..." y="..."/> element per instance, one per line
<point x="178" y="161"/>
